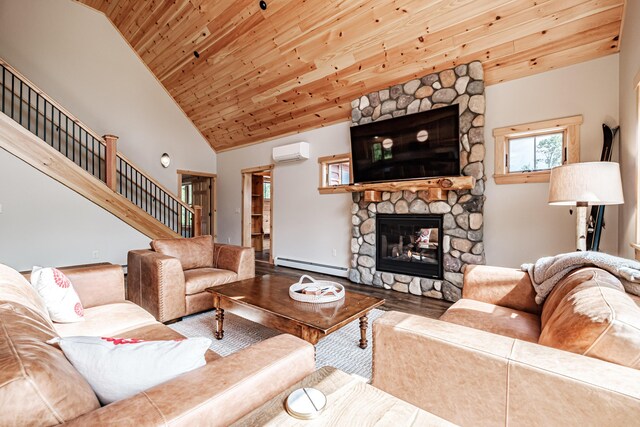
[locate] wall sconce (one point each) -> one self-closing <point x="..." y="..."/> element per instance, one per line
<point x="165" y="160"/>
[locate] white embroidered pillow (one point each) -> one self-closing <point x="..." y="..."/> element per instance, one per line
<point x="57" y="292"/>
<point x="117" y="368"/>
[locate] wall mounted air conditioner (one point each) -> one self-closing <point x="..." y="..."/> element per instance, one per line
<point x="291" y="152"/>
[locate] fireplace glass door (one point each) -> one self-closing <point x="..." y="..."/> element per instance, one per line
<point x="409" y="244"/>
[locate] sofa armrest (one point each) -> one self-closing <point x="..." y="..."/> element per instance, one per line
<point x="507" y="287"/>
<point x="95" y="284"/>
<point x="239" y="259"/>
<point x="217" y="394"/>
<point x="473" y="377"/>
<point x="156" y="283"/>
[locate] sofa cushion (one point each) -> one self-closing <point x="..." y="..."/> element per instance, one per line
<point x="160" y="332"/>
<point x="570" y="282"/>
<point x="196" y="252"/>
<point x="57" y="292"/>
<point x="15" y="288"/>
<point x="118" y="368"/>
<point x="494" y="318"/>
<point x="198" y="280"/>
<point x="592" y="315"/>
<point x="107" y="320"/>
<point x="38" y="386"/>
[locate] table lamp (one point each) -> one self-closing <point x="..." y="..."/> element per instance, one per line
<point x="584" y="184"/>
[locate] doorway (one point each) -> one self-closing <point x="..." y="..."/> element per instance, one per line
<point x="257" y="211"/>
<point x="198" y="188"/>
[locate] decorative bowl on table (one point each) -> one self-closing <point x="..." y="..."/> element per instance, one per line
<point x="316" y="291"/>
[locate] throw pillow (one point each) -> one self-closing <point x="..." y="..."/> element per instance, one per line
<point x="57" y="292"/>
<point x="117" y="368"/>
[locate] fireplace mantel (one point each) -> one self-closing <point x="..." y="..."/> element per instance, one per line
<point x="437" y="187"/>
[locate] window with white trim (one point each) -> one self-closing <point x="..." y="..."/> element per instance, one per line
<point x="527" y="152"/>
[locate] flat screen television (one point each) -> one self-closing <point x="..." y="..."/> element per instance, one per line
<point x="420" y="145"/>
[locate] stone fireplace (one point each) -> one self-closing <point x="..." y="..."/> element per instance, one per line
<point x="409" y="244"/>
<point x="391" y="261"/>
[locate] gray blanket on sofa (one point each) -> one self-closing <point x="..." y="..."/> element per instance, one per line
<point x="546" y="272"/>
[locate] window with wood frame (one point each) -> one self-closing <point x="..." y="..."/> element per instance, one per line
<point x="527" y="152"/>
<point x="335" y="170"/>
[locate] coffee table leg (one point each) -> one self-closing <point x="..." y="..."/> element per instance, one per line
<point x="219" y="320"/>
<point x="363" y="331"/>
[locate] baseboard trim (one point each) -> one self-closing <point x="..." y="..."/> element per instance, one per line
<point x="332" y="270"/>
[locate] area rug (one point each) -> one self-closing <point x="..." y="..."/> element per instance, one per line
<point x="339" y="349"/>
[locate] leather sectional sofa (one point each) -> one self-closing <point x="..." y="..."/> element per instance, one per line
<point x="169" y="281"/>
<point x="498" y="358"/>
<point x="38" y="386"/>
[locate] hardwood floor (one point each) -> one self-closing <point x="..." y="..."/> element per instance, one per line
<point x="262" y="256"/>
<point x="397" y="301"/>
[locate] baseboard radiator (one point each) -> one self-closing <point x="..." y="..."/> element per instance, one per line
<point x="312" y="266"/>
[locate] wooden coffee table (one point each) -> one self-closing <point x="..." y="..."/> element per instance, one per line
<point x="265" y="300"/>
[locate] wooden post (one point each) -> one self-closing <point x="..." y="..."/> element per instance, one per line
<point x="111" y="142"/>
<point x="197" y="221"/>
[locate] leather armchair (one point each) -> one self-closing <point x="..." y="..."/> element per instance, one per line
<point x="169" y="281"/>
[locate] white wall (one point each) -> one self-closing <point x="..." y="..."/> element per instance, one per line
<point x="630" y="134"/>
<point x="75" y="55"/>
<point x="44" y="223"/>
<point x="519" y="224"/>
<point x="307" y="226"/>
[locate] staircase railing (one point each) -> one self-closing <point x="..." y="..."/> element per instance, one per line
<point x="21" y="100"/>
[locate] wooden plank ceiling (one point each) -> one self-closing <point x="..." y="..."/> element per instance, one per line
<point x="297" y="65"/>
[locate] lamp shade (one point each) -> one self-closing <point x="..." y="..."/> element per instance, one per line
<point x="594" y="183"/>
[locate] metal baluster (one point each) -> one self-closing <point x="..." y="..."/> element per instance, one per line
<point x="73" y="141"/>
<point x="59" y="126"/>
<point x="86" y="151"/>
<point x="13" y="78"/>
<point x="66" y="136"/>
<point x="45" y="127"/>
<point x="4" y="87"/>
<point x="167" y="218"/>
<point x="20" y="121"/>
<point x="138" y="198"/>
<point x="29" y="108"/>
<point x="37" y="111"/>
<point x="99" y="160"/>
<point x="144" y="194"/>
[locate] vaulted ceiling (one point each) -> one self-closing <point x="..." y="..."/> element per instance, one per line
<point x="244" y="75"/>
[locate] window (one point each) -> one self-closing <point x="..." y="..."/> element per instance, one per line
<point x="335" y="171"/>
<point x="528" y="152"/>
<point x="187" y="193"/>
<point x="266" y="190"/>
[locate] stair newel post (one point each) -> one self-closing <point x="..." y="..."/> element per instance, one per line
<point x="111" y="142"/>
<point x="197" y="220"/>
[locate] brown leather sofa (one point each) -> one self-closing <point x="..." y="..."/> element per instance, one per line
<point x="39" y="387"/>
<point x="497" y="358"/>
<point x="169" y="281"/>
